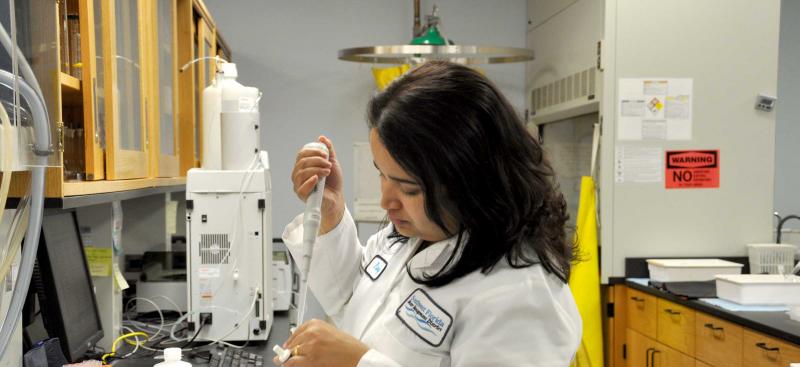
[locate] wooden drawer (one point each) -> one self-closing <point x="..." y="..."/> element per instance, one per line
<point x="641" y="309"/>
<point x="639" y="348"/>
<point x="718" y="343"/>
<point x="676" y="326"/>
<point x="664" y="356"/>
<point x="763" y="351"/>
<point x="646" y="352"/>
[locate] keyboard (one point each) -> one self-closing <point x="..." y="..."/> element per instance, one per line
<point x="232" y="357"/>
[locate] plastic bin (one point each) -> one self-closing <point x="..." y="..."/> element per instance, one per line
<point x="759" y="289"/>
<point x="767" y="258"/>
<point x="690" y="270"/>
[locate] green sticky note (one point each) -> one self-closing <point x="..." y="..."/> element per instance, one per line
<point x="99" y="260"/>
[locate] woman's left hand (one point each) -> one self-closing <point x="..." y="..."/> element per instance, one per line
<point x="318" y="343"/>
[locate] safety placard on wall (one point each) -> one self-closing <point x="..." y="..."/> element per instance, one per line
<point x="692" y="169"/>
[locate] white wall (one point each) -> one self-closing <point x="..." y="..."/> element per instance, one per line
<point x="288" y="49"/>
<point x="787" y="130"/>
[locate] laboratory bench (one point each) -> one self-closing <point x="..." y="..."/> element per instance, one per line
<point x="663" y="329"/>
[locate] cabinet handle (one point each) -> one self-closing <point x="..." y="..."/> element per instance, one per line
<point x="653" y="357"/>
<point x="672" y="312"/>
<point x="768" y="349"/>
<point x="716" y="331"/>
<point x="647" y="356"/>
<point x="637" y="299"/>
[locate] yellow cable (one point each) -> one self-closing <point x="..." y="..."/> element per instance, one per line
<point x="123" y="337"/>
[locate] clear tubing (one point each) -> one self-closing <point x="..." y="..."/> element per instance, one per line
<point x="5" y="184"/>
<point x="41" y="132"/>
<point x="27" y="72"/>
<point x="41" y="122"/>
<point x="15" y="233"/>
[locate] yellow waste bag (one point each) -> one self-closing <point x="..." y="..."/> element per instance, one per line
<point x="384" y="76"/>
<point x="584" y="280"/>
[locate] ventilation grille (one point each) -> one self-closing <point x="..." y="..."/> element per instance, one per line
<point x="580" y="85"/>
<point x="214" y="248"/>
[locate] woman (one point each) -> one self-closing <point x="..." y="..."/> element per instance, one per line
<point x="472" y="270"/>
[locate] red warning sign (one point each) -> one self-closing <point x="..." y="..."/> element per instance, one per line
<point x="692" y="169"/>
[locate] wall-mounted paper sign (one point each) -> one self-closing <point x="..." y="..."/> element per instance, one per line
<point x="655" y="109"/>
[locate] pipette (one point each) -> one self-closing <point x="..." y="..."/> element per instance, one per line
<point x="311" y="220"/>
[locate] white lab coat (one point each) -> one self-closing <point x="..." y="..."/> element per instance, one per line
<point x="509" y="317"/>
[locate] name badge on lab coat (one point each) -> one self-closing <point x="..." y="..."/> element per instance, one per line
<point x="376" y="267"/>
<point x="420" y="313"/>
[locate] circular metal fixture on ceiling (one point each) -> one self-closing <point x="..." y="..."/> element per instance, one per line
<point x="415" y="54"/>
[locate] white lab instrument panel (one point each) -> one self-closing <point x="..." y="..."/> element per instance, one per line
<point x="229" y="232"/>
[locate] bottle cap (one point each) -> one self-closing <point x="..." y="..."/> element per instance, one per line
<point x="229" y="69"/>
<point x="172" y="354"/>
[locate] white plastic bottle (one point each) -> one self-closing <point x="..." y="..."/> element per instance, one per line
<point x="212" y="104"/>
<point x="238" y="123"/>
<point x="226" y="95"/>
<point x="172" y="358"/>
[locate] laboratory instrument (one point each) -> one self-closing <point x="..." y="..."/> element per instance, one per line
<point x="228" y="219"/>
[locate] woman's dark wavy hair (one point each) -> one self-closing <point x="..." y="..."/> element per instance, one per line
<point x="453" y="131"/>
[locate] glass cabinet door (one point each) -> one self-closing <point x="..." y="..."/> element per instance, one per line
<point x="206" y="46"/>
<point x="185" y="37"/>
<point x="36" y="24"/>
<point x="126" y="155"/>
<point x="94" y="117"/>
<point x="195" y="39"/>
<point x="165" y="91"/>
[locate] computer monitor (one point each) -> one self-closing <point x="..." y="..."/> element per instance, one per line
<point x="64" y="286"/>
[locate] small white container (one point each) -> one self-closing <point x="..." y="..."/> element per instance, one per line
<point x="690" y="270"/>
<point x="759" y="289"/>
<point x="172" y="358"/>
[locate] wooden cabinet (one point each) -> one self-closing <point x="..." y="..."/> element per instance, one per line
<point x="197" y="38"/>
<point x="163" y="89"/>
<point x="639" y="348"/>
<point x="663" y="333"/>
<point x="676" y="326"/>
<point x="763" y="351"/>
<point x="718" y="342"/>
<point x="109" y="72"/>
<point x="127" y="102"/>
<point x="641" y="308"/>
<point x="646" y="352"/>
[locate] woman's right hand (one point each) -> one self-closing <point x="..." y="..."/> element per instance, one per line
<point x="310" y="166"/>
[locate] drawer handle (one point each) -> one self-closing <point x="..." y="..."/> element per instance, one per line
<point x="647" y="356"/>
<point x="637" y="299"/>
<point x="768" y="349"/>
<point x="653" y="357"/>
<point x="716" y="331"/>
<point x="714" y="328"/>
<point x="672" y="312"/>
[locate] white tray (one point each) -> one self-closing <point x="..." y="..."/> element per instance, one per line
<point x="759" y="289"/>
<point x="690" y="270"/>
